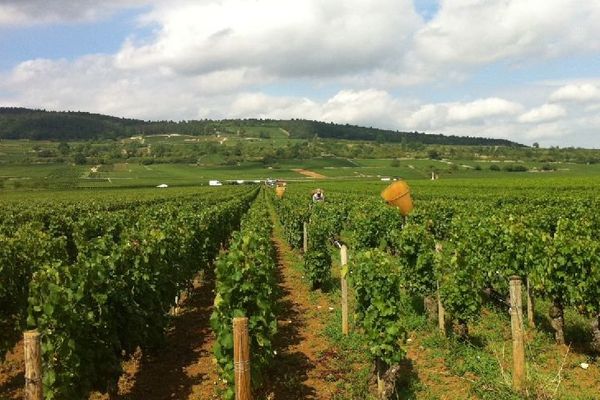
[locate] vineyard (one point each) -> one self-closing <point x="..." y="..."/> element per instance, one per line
<point x="430" y="311"/>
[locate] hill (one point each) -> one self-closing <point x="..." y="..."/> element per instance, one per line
<point x="23" y="123"/>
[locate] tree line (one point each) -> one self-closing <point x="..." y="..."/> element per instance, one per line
<point x="23" y="123"/>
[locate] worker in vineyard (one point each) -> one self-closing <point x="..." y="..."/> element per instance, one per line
<point x="318" y="196"/>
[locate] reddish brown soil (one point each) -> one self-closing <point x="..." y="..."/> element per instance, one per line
<point x="304" y="367"/>
<point x="309" y="173"/>
<point x="184" y="368"/>
<point x="12" y="374"/>
<point x="432" y="374"/>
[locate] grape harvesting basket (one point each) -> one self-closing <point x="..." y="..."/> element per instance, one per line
<point x="279" y="191"/>
<point x="398" y="195"/>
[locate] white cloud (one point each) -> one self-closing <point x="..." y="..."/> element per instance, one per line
<point x="363" y="107"/>
<point x="260" y="105"/>
<point x="545" y="113"/>
<point x="481" y="111"/>
<point x="347" y="106"/>
<point x="283" y="38"/>
<point x="469" y="33"/>
<point x="93" y="84"/>
<point x="576" y="93"/>
<point x="16" y="13"/>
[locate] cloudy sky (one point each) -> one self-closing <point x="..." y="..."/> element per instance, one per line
<point x="523" y="70"/>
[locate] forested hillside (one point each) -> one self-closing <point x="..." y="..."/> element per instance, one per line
<point x="23" y="123"/>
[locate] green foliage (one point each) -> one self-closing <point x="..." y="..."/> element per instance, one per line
<point x="112" y="290"/>
<point x="376" y="282"/>
<point x="570" y="270"/>
<point x="415" y="248"/>
<point x="373" y="224"/>
<point x="63" y="148"/>
<point x="20" y="123"/>
<point x="245" y="288"/>
<point x="317" y="264"/>
<point x="293" y="213"/>
<point x="324" y="224"/>
<point x="515" y="168"/>
<point x="460" y="285"/>
<point x="21" y="252"/>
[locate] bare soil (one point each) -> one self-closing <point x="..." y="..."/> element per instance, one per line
<point x="184" y="368"/>
<point x="304" y="366"/>
<point x="311" y="174"/>
<point x="12" y="374"/>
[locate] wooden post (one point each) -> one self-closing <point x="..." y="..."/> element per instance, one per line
<point x="344" y="261"/>
<point x="381" y="369"/>
<point x="33" y="366"/>
<point x="530" y="307"/>
<point x="516" y="324"/>
<point x="241" y="359"/>
<point x="305" y="237"/>
<point x="441" y="312"/>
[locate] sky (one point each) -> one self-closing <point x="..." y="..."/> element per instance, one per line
<point x="527" y="71"/>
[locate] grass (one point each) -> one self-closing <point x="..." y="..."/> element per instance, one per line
<point x="416" y="171"/>
<point x="479" y="368"/>
<point x="486" y="361"/>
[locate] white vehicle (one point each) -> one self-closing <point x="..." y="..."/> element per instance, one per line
<point x="270" y="182"/>
<point x="214" y="183"/>
<point x="163" y="185"/>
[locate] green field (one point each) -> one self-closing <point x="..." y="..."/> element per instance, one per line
<point x="53" y="176"/>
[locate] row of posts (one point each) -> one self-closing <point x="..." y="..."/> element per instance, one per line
<point x="241" y="348"/>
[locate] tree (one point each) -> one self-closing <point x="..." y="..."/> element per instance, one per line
<point x="433" y="154"/>
<point x="64" y="148"/>
<point x="79" y="158"/>
<point x="536" y="145"/>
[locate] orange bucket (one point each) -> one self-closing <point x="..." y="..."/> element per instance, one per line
<point x="279" y="191"/>
<point x="398" y="195"/>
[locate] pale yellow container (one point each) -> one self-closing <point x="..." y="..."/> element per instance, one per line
<point x="398" y="195"/>
<point x="279" y="191"/>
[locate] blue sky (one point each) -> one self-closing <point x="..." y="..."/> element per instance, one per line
<point x="525" y="71"/>
<point x="71" y="39"/>
<point x="426" y="8"/>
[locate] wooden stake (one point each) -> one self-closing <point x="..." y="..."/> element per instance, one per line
<point x="441" y="312"/>
<point x="305" y="237"/>
<point x="241" y="359"/>
<point x="530" y="307"/>
<point x="33" y="366"/>
<point x="176" y="306"/>
<point x="344" y="259"/>
<point x="381" y="368"/>
<point x="516" y="324"/>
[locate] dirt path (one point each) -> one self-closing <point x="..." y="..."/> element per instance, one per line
<point x="304" y="366"/>
<point x="311" y="174"/>
<point x="184" y="368"/>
